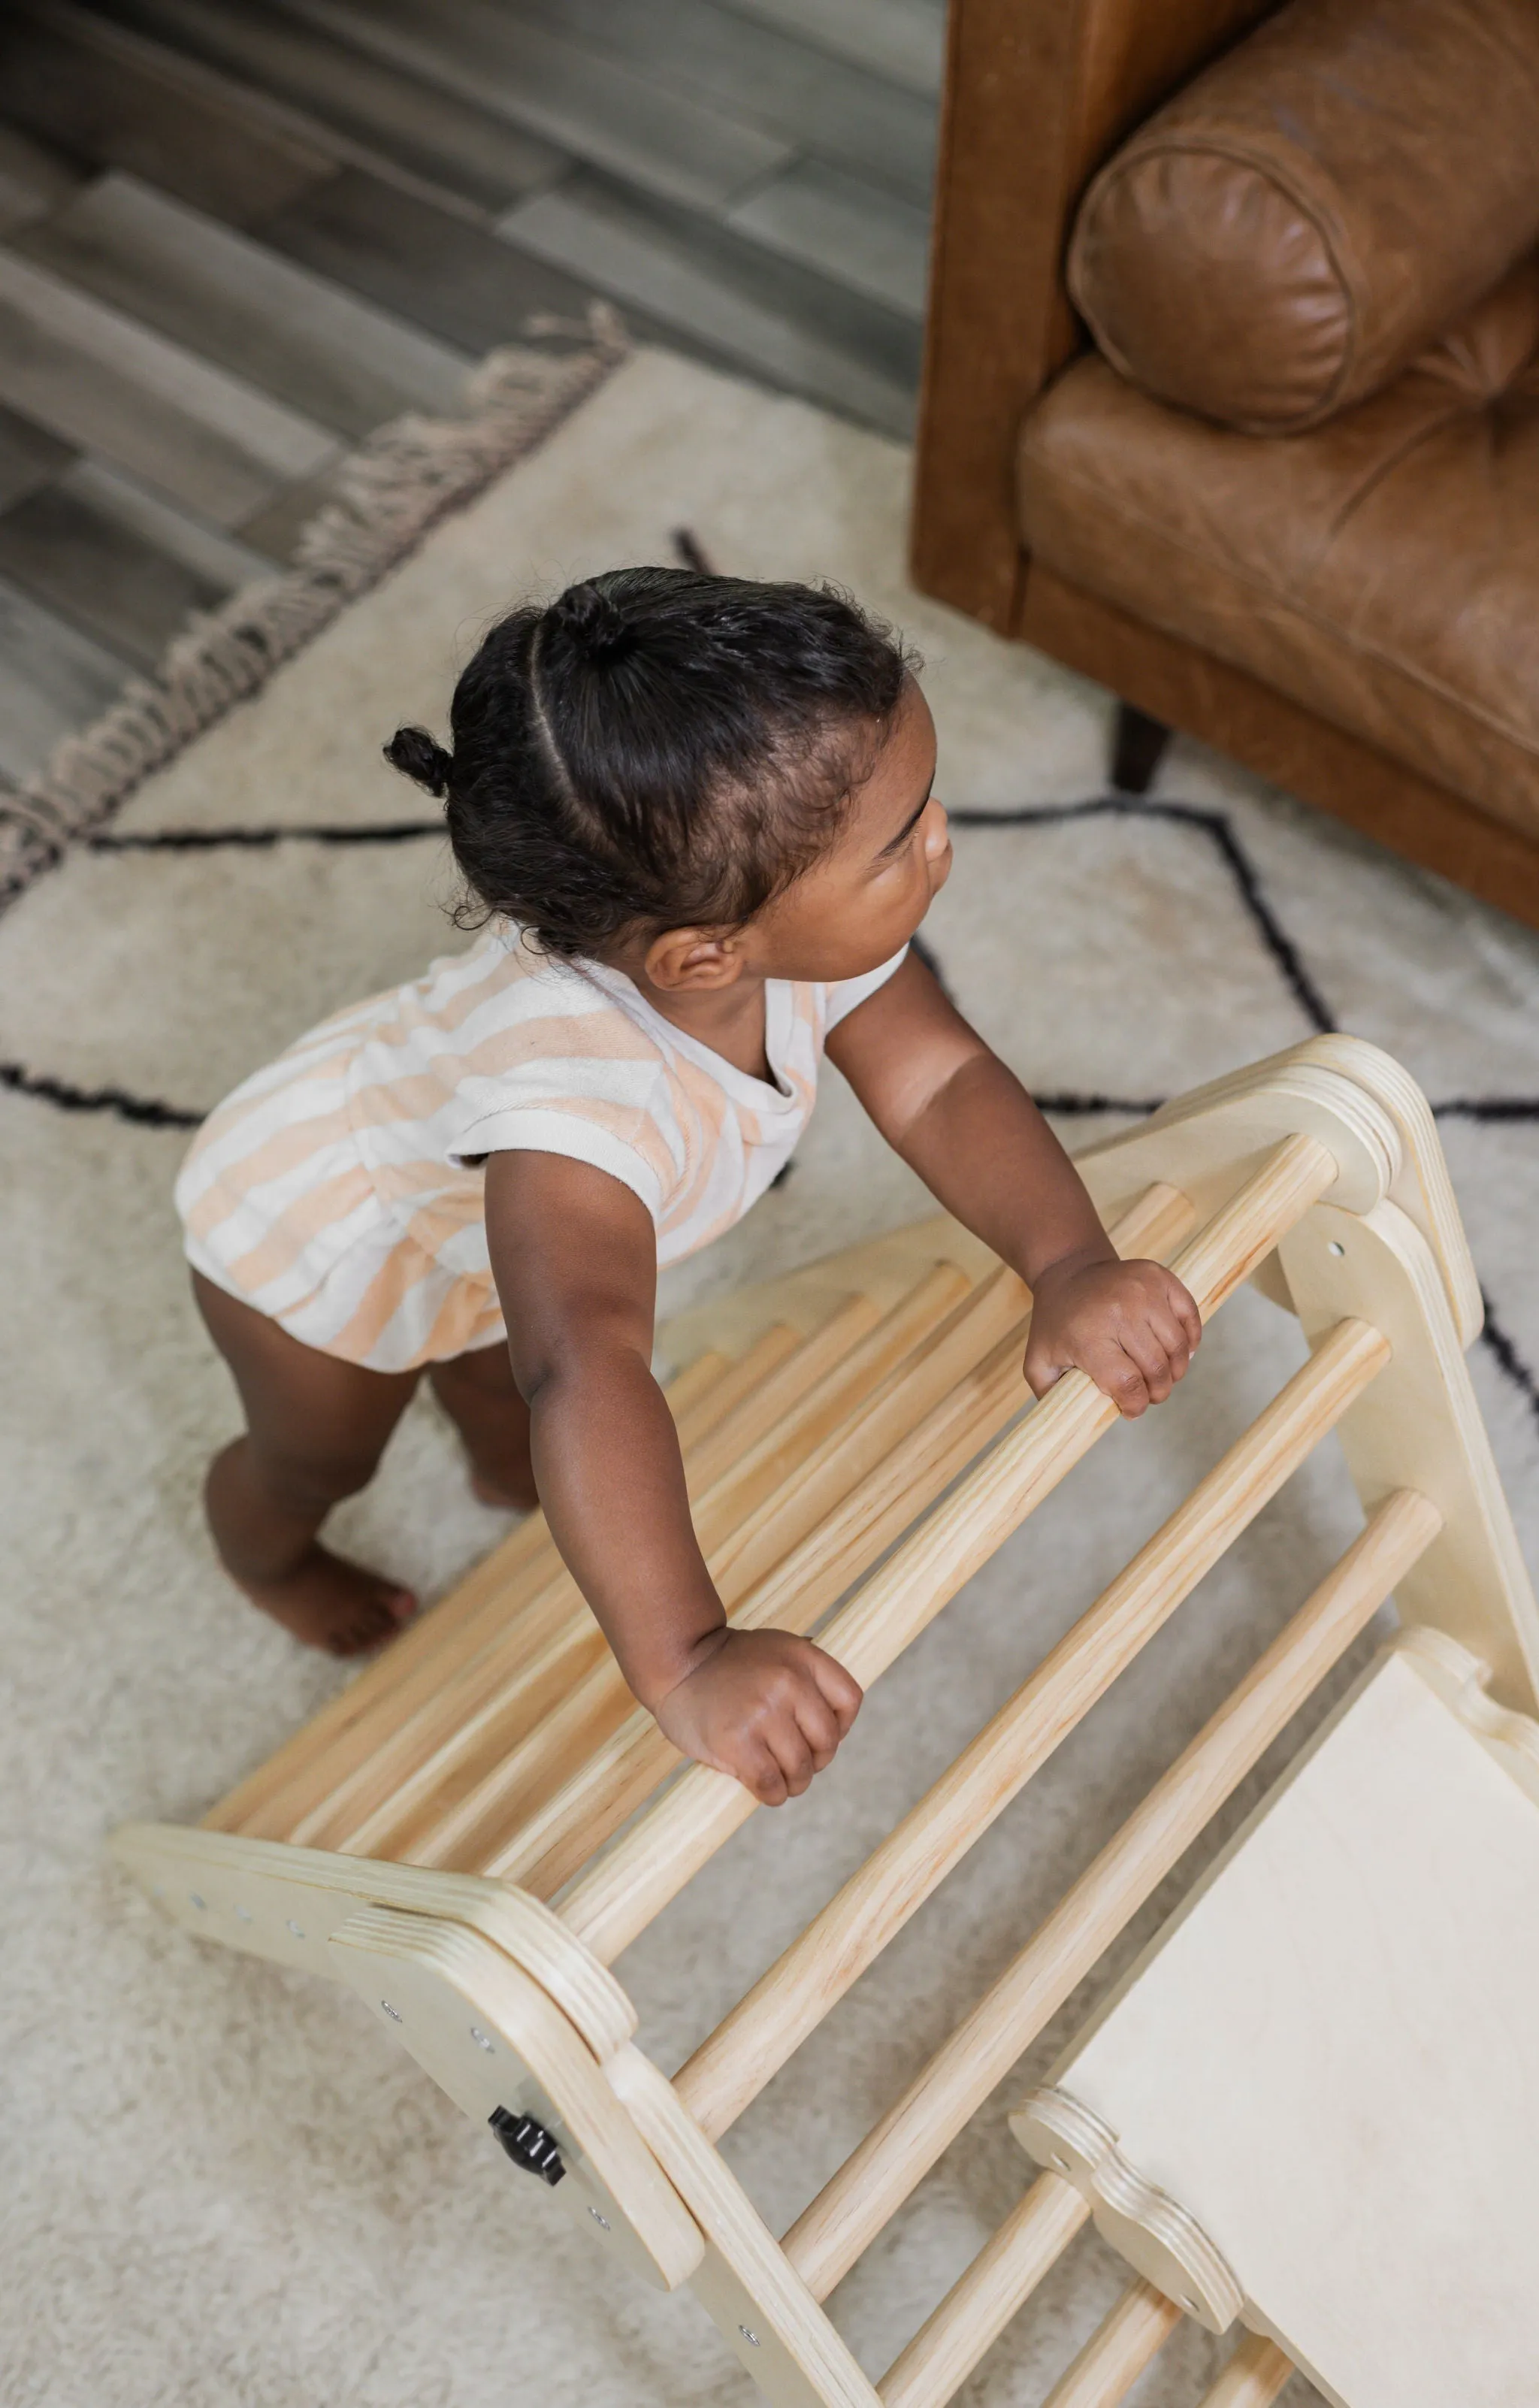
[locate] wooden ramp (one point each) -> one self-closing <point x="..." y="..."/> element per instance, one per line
<point x="477" y="1828"/>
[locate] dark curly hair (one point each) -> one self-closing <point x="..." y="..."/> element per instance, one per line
<point x="658" y="748"/>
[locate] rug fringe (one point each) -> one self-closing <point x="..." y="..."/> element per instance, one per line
<point x="389" y="493"/>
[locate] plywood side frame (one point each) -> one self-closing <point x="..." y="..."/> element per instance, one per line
<point x="493" y="2039"/>
<point x="270" y="1899"/>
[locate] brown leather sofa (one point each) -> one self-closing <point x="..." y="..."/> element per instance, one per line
<point x="1232" y="395"/>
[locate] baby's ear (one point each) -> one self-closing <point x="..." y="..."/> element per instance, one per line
<point x="695" y="960"/>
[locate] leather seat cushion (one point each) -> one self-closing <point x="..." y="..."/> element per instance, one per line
<point x="1290" y="231"/>
<point x="1383" y="571"/>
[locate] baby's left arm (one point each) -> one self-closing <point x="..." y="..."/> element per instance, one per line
<point x="967" y="1125"/>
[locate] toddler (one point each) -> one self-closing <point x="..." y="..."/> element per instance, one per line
<point x="695" y="819"/>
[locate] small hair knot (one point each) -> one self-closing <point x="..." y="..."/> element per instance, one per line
<point x="601" y="632"/>
<point x="417" y="754"/>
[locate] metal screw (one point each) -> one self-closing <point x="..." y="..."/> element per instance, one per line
<point x="1335" y="1246"/>
<point x="478" y="2036"/>
<point x="394" y="2012"/>
<point x="751" y="2338"/>
<point x="602" y="2221"/>
<point x="297" y="1928"/>
<point x="199" y="1902"/>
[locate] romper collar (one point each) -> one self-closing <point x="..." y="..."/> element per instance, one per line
<point x="760" y="1094"/>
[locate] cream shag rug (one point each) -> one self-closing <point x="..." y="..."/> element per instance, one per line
<point x="219" y="2182"/>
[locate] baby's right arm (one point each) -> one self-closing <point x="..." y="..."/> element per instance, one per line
<point x="575" y="1258"/>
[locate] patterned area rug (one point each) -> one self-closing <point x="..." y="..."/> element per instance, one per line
<point x="222" y="2186"/>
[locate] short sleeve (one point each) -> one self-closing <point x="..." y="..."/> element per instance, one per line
<point x="842" y="995"/>
<point x="536" y="1129"/>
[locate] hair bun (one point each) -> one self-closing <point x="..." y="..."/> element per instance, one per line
<point x="600" y="632"/>
<point x="414" y="752"/>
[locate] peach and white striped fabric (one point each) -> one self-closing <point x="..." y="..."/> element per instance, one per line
<point x="340" y="1189"/>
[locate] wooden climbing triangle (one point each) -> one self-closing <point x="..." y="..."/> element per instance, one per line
<point x="1311" y="2113"/>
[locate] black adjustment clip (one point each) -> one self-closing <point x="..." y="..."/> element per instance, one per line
<point x="528" y="2143"/>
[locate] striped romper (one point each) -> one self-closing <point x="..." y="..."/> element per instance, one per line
<point x="340" y="1190"/>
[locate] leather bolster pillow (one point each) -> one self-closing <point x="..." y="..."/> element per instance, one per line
<point x="1303" y="219"/>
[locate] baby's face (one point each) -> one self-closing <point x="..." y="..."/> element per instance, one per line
<point x="865" y="897"/>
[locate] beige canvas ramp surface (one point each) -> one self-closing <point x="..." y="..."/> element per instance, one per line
<point x="1331" y="2062"/>
<point x="475" y="1830"/>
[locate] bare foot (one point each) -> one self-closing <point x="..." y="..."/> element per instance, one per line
<point x="332" y="1603"/>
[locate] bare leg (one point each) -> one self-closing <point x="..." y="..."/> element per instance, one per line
<point x="315" y="1428"/>
<point x="477" y="1392"/>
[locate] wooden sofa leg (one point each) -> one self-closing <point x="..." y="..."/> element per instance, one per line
<point x="1138" y="746"/>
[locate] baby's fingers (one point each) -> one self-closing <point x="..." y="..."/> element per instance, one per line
<point x="1041" y="1369"/>
<point x="794" y="1758"/>
<point x="839" y="1690"/>
<point x="1119" y="1375"/>
<point x="760" y="1772"/>
<point x="818" y="1726"/>
<point x="1158" y="1344"/>
<point x="1183" y="1305"/>
<point x="1172" y="1336"/>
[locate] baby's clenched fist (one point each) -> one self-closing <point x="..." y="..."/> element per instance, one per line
<point x="765" y="1706"/>
<point x="1131" y="1326"/>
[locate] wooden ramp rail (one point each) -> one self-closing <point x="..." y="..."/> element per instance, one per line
<point x="983" y="2300"/>
<point x="662" y="1852"/>
<point x="858" y="2201"/>
<point x="529" y="1690"/>
<point x="838" y="1947"/>
<point x="478" y="1827"/>
<point x="1121" y="2346"/>
<point x="474" y="1815"/>
<point x="269" y="1801"/>
<point x="1254" y="2377"/>
<point x="522" y="1605"/>
<point x="810" y="1540"/>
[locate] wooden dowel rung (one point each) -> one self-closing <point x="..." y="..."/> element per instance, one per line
<point x="801" y="1573"/>
<point x="738" y="1431"/>
<point x="790" y="2000"/>
<point x="750" y="1545"/>
<point x="263" y="1806"/>
<point x="753" y="1366"/>
<point x="1116" y="2353"/>
<point x="695" y="1384"/>
<point x="846" y="1385"/>
<point x="372" y="1771"/>
<point x="858" y="2199"/>
<point x="501" y="1629"/>
<point x="618" y="1898"/>
<point x="983" y="2300"/>
<point x="269" y="1801"/>
<point x="811" y="1458"/>
<point x="503" y="1747"/>
<point x="1256" y="2374"/>
<point x="542" y="1849"/>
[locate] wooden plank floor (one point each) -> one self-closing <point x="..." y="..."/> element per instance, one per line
<point x="235" y="239"/>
